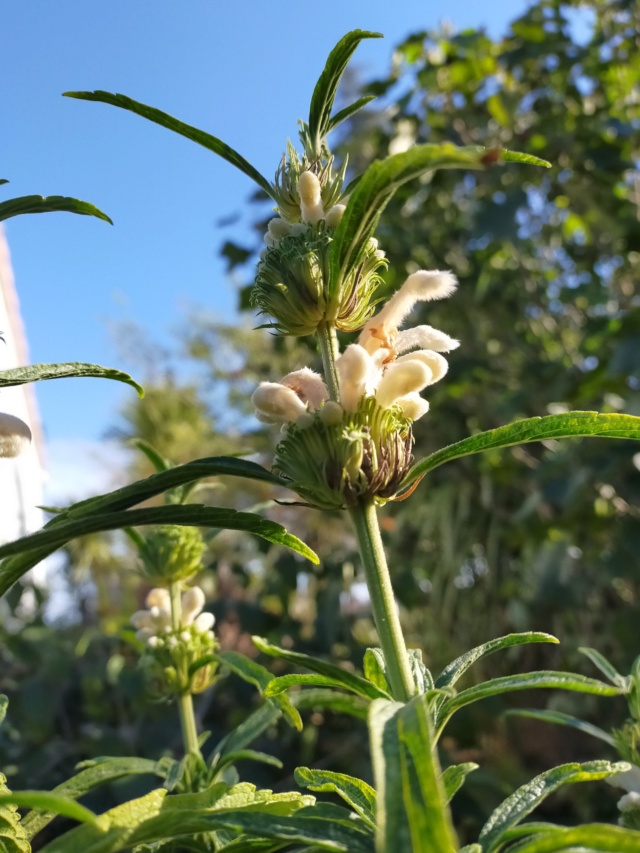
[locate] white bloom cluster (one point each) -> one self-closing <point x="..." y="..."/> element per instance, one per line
<point x="15" y="435"/>
<point x="151" y="624"/>
<point x="311" y="212"/>
<point x="391" y="365"/>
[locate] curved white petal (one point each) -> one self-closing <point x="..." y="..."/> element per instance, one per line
<point x="413" y="405"/>
<point x="308" y="385"/>
<point x="356" y="372"/>
<point x="192" y="603"/>
<point x="401" y="379"/>
<point x="425" y="337"/>
<point x="436" y="363"/>
<point x="277" y="402"/>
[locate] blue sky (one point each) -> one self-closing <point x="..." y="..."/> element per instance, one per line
<point x="243" y="71"/>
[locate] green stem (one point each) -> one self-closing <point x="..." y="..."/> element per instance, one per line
<point x="185" y="700"/>
<point x="328" y="350"/>
<point x="385" y="613"/>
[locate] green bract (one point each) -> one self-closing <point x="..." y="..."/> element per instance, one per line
<point x="365" y="455"/>
<point x="172" y="553"/>
<point x="292" y="280"/>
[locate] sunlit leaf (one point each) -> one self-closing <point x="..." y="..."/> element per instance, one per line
<point x="453" y="777"/>
<point x="569" y="425"/>
<point x="64" y="370"/>
<point x="40" y="204"/>
<point x="356" y="793"/>
<point x="212" y="143"/>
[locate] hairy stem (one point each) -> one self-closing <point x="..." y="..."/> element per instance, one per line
<point x="328" y="350"/>
<point x="185" y="700"/>
<point x="385" y="613"/>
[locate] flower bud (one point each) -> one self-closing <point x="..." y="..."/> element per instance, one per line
<point x="279" y="228"/>
<point x="310" y="192"/>
<point x="15" y="436"/>
<point x="308" y="385"/>
<point x="401" y="379"/>
<point x="334" y="215"/>
<point x="436" y="363"/>
<point x="172" y="553"/>
<point x="356" y="371"/>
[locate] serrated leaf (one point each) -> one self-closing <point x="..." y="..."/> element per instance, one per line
<point x="64" y="370"/>
<point x="569" y="425"/>
<point x="340" y="676"/>
<point x="356" y="793"/>
<point x="376" y="187"/>
<point x="412" y="813"/>
<point x="588" y="838"/>
<point x="102" y="771"/>
<point x="13" y="838"/>
<point x="52" y="204"/>
<point x="349" y="111"/>
<point x="53" y="536"/>
<point x="453" y="778"/>
<point x="324" y="93"/>
<point x="212" y="143"/>
<point x="523" y="801"/>
<point x="561" y="719"/>
<point x="542" y="679"/>
<point x="606" y="668"/>
<point x="260" y="677"/>
<point x="457" y="668"/>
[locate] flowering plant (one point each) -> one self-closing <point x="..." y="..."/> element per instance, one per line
<point x="346" y="445"/>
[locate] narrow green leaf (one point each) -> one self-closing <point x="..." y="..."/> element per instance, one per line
<point x="529" y="681"/>
<point x="588" y="838"/>
<point x="523" y="801"/>
<point x="341" y="676"/>
<point x="48" y="801"/>
<point x="349" y="111"/>
<point x="64" y="370"/>
<point x="212" y="143"/>
<point x="40" y="204"/>
<point x="4" y="704"/>
<point x="248" y="755"/>
<point x="561" y="719"/>
<point x="3" y="181"/>
<point x="260" y="677"/>
<point x="155" y="458"/>
<point x="457" y="668"/>
<point x="102" y="771"/>
<point x="569" y="425"/>
<point x="282" y="683"/>
<point x="356" y="793"/>
<point x="412" y="813"/>
<point x="606" y="668"/>
<point x="378" y="184"/>
<point x="324" y="93"/>
<point x="331" y="700"/>
<point x="453" y="778"/>
<point x="244" y="734"/>
<point x="192" y="515"/>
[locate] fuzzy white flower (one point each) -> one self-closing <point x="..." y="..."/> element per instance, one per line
<point x="15" y="436"/>
<point x="291" y="398"/>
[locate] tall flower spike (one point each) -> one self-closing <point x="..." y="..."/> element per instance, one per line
<point x="15" y="436"/>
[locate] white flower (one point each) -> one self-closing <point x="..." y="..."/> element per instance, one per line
<point x="288" y="400"/>
<point x="157" y="619"/>
<point x="15" y="436"/>
<point x="630" y="802"/>
<point x="334" y="215"/>
<point x="309" y="190"/>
